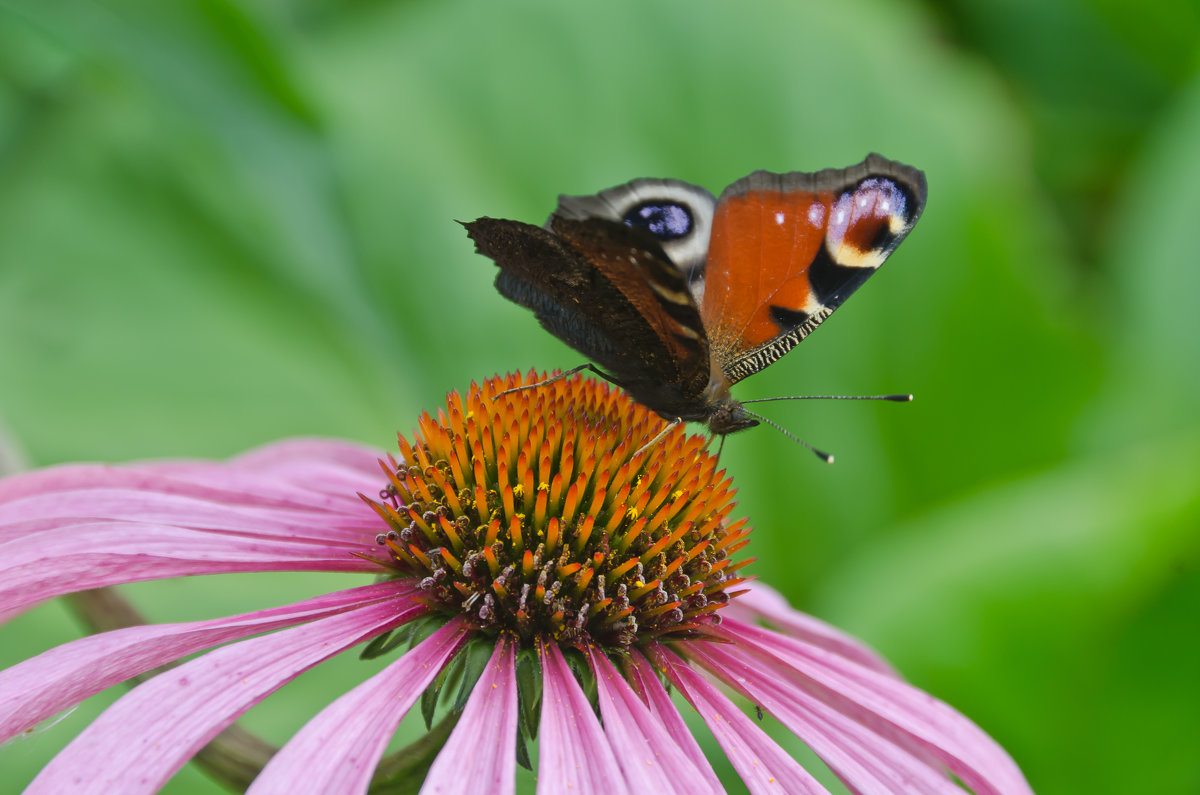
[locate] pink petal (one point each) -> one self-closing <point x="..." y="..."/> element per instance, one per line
<point x="648" y="755"/>
<point x="297" y="471"/>
<point x="480" y="755"/>
<point x="337" y="751"/>
<point x="761" y="602"/>
<point x="282" y="454"/>
<point x="574" y="753"/>
<point x="862" y="758"/>
<point x="889" y="707"/>
<point x="140" y="741"/>
<point x="214" y="481"/>
<point x="47" y="564"/>
<point x="658" y="701"/>
<point x="23" y="516"/>
<point x="35" y="689"/>
<point x="762" y="764"/>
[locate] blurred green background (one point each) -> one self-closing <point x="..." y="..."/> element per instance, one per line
<point x="223" y="224"/>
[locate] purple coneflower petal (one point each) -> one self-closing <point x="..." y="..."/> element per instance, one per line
<point x="886" y="705"/>
<point x="648" y="755"/>
<point x="575" y="754"/>
<point x="42" y="686"/>
<point x="140" y="741"/>
<point x="48" y="564"/>
<point x="77" y="527"/>
<point x="761" y="602"/>
<point x="337" y="750"/>
<point x="480" y="755"/>
<point x="28" y="515"/>
<point x="215" y="482"/>
<point x="283" y="472"/>
<point x="656" y="698"/>
<point x="859" y="755"/>
<point x="284" y="456"/>
<point x="761" y="763"/>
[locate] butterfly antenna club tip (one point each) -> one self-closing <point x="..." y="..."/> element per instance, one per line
<point x="826" y="457"/>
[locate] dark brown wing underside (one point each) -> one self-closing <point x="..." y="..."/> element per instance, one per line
<point x="610" y="293"/>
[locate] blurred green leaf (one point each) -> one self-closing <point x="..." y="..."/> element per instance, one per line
<point x="1039" y="586"/>
<point x="1151" y="320"/>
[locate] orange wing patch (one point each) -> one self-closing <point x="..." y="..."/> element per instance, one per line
<point x="768" y="238"/>
<point x="781" y="260"/>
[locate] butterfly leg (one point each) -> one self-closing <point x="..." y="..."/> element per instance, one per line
<point x="660" y="435"/>
<point x="562" y="375"/>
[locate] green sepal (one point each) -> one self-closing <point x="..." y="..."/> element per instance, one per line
<point x="408" y="635"/>
<point x="382" y="644"/>
<point x="578" y="664"/>
<point x="475" y="659"/>
<point x="529" y="691"/>
<point x="523" y="750"/>
<point x="422" y="628"/>
<point x="447" y="678"/>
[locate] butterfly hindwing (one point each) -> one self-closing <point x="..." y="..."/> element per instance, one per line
<point x="787" y="249"/>
<point x="676" y="213"/>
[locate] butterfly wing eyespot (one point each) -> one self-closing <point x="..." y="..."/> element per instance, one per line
<point x="676" y="213"/>
<point x="665" y="220"/>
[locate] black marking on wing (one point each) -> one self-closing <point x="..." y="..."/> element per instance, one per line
<point x="833" y="283"/>
<point x="787" y="318"/>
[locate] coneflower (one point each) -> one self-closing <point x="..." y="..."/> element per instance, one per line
<point x="542" y="581"/>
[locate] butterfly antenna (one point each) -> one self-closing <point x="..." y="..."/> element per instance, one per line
<point x="892" y="398"/>
<point x="826" y="457"/>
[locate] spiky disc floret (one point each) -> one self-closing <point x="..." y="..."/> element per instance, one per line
<point x="538" y="512"/>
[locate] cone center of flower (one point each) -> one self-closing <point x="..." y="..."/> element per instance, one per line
<point x="529" y="512"/>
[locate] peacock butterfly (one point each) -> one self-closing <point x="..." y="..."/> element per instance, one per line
<point x="678" y="295"/>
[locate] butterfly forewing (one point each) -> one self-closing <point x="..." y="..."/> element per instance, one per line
<point x="787" y="249"/>
<point x="608" y="291"/>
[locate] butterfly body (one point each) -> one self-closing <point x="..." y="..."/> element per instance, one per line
<point x="677" y="295"/>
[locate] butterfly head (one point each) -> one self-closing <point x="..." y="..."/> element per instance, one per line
<point x="722" y="413"/>
<point x="729" y="417"/>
